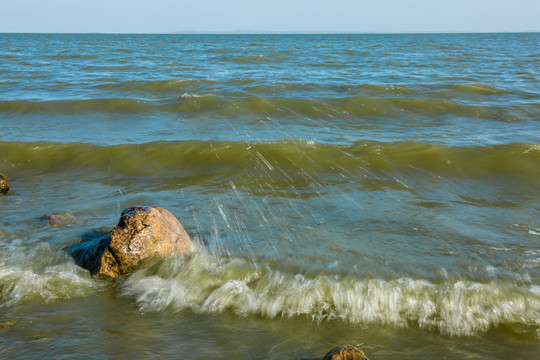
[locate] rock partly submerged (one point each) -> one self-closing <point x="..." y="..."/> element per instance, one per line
<point x="345" y="353"/>
<point x="142" y="232"/>
<point x="62" y="219"/>
<point x="6" y="324"/>
<point x="4" y="186"/>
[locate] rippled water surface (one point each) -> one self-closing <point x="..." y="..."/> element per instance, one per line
<point x="373" y="190"/>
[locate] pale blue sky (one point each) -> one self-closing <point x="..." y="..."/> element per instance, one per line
<point x="162" y="16"/>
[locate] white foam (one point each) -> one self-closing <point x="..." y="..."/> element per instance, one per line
<point x="191" y="96"/>
<point x="40" y="274"/>
<point x="452" y="308"/>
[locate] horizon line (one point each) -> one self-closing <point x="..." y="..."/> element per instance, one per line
<point x="269" y="32"/>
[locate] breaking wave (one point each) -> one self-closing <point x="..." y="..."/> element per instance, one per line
<point x="40" y="274"/>
<point x="205" y="285"/>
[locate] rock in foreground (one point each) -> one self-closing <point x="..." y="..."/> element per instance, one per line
<point x="345" y="353"/>
<point x="4" y="186"/>
<point x="142" y="232"/>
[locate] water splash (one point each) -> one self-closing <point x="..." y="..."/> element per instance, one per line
<point x="206" y="285"/>
<point x="41" y="274"/>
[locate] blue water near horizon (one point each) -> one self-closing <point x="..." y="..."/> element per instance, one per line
<point x="282" y="71"/>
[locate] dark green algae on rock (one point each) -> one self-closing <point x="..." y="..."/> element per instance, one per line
<point x="4" y="186"/>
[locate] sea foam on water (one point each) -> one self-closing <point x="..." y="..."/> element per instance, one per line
<point x="202" y="285"/>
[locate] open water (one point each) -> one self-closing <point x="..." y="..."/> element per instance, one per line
<point x="374" y="190"/>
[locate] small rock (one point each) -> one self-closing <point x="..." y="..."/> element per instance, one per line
<point x="6" y="324"/>
<point x="345" y="353"/>
<point x="62" y="219"/>
<point x="142" y="232"/>
<point x="4" y="186"/>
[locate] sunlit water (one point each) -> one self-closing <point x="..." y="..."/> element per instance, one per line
<point x="373" y="190"/>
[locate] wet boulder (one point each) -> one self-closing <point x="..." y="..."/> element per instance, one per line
<point x="345" y="353"/>
<point x="142" y="232"/>
<point x="4" y="186"/>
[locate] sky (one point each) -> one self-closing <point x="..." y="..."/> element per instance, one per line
<point x="364" y="16"/>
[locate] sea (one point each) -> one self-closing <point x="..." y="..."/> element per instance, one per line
<point x="374" y="190"/>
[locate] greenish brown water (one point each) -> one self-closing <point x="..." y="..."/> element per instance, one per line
<point x="373" y="190"/>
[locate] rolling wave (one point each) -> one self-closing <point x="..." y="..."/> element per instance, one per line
<point x="204" y="285"/>
<point x="194" y="104"/>
<point x="40" y="273"/>
<point x="286" y="160"/>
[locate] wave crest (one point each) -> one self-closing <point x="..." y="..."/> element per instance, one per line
<point x="282" y="161"/>
<point x="459" y="308"/>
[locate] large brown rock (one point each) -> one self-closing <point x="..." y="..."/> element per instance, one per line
<point x="142" y="232"/>
<point x="4" y="186"/>
<point x="345" y="353"/>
